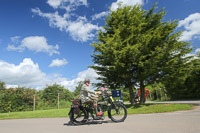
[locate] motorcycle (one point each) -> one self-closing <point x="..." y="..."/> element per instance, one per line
<point x="81" y="113"/>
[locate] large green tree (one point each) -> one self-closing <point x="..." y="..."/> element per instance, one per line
<point x="137" y="48"/>
<point x="50" y="93"/>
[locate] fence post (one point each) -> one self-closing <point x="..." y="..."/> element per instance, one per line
<point x="160" y="94"/>
<point x="58" y="101"/>
<point x="150" y="95"/>
<point x="165" y="96"/>
<point x="34" y="102"/>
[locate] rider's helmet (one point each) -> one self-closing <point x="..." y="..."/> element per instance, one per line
<point x="86" y="80"/>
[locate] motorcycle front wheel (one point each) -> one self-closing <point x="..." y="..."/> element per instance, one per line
<point x="117" y="112"/>
<point x="78" y="118"/>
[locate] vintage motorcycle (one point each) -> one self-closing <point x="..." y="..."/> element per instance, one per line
<point x="81" y="113"/>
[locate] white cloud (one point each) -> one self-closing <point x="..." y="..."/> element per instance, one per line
<point x="55" y="20"/>
<point x="195" y="54"/>
<point x="13" y="48"/>
<point x="115" y="5"/>
<point x="15" y="39"/>
<point x="54" y="3"/>
<point x="27" y="73"/>
<point x="191" y="26"/>
<point x="58" y="63"/>
<point x="100" y="15"/>
<point x="37" y="44"/>
<point x="78" y="27"/>
<point x="58" y="3"/>
<point x="71" y="84"/>
<point x="81" y="30"/>
<point x="197" y="50"/>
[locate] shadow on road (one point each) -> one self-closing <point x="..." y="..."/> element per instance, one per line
<point x="92" y="122"/>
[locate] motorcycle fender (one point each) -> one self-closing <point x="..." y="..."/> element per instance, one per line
<point x="70" y="111"/>
<point x="109" y="115"/>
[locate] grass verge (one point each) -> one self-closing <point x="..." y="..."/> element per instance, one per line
<point x="136" y="109"/>
<point x="156" y="108"/>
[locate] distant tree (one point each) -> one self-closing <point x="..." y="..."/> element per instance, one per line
<point x="2" y="85"/>
<point x="78" y="88"/>
<point x="137" y="47"/>
<point x="50" y="93"/>
<point x="157" y="90"/>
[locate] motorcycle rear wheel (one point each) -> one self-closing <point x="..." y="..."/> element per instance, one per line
<point x="79" y="118"/>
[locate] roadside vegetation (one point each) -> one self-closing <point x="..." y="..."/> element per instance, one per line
<point x="26" y="99"/>
<point x="136" y="109"/>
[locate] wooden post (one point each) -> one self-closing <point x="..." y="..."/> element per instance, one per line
<point x="150" y="95"/>
<point x="34" y="102"/>
<point x="58" y="101"/>
<point x="10" y="107"/>
<point x="160" y="94"/>
<point x="156" y="94"/>
<point x="165" y="96"/>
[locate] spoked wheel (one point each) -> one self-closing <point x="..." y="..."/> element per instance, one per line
<point x="80" y="117"/>
<point x="117" y="112"/>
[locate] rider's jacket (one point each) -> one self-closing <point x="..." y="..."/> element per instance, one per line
<point x="86" y="94"/>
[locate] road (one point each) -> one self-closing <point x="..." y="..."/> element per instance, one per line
<point x="174" y="122"/>
<point x="193" y="102"/>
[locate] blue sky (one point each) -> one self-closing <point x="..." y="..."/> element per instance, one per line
<point x="47" y="41"/>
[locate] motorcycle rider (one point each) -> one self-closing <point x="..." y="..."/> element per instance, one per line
<point x="87" y="96"/>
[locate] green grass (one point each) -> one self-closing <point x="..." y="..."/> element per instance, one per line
<point x="36" y="114"/>
<point x="136" y="109"/>
<point x="156" y="108"/>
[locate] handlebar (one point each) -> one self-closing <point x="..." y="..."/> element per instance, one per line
<point x="105" y="94"/>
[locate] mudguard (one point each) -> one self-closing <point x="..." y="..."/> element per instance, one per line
<point x="116" y="103"/>
<point x="70" y="111"/>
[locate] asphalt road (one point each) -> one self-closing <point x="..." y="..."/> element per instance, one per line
<point x="193" y="102"/>
<point x="174" y="122"/>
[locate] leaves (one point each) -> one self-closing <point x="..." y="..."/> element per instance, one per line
<point x="21" y="99"/>
<point x="137" y="47"/>
<point x="16" y="99"/>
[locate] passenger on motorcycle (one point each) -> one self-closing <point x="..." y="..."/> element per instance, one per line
<point x="87" y="95"/>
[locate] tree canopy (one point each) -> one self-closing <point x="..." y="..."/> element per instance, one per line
<point x="50" y="93"/>
<point x="137" y="48"/>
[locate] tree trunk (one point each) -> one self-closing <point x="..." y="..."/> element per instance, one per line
<point x="142" y="92"/>
<point x="132" y="96"/>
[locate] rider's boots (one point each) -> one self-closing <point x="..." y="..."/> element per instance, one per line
<point x="99" y="114"/>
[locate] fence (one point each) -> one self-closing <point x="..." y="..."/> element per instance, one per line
<point x="28" y="102"/>
<point x="58" y="101"/>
